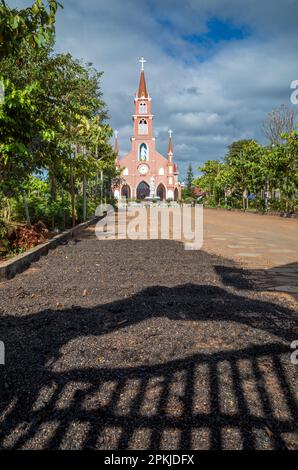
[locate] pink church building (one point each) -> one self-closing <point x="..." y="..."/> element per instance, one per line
<point x="144" y="171"/>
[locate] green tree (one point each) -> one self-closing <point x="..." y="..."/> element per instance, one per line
<point x="34" y="25"/>
<point x="208" y="181"/>
<point x="53" y="103"/>
<point x="189" y="179"/>
<point x="244" y="160"/>
<point x="281" y="164"/>
<point x="235" y="149"/>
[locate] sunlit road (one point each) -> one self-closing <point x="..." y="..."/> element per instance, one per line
<point x="257" y="242"/>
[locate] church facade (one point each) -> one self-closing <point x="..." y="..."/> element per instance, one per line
<point x="144" y="171"/>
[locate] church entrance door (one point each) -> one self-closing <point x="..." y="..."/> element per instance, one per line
<point x="125" y="191"/>
<point x="161" y="193"/>
<point x="143" y="190"/>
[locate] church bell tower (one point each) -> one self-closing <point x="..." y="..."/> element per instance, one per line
<point x="143" y="141"/>
<point x="145" y="172"/>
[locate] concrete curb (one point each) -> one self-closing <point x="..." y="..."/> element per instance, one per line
<point x="20" y="263"/>
<point x="292" y="215"/>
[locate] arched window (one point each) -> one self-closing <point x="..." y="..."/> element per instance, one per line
<point x="161" y="171"/>
<point x="143" y="108"/>
<point x="125" y="172"/>
<point x="143" y="152"/>
<point x="143" y="127"/>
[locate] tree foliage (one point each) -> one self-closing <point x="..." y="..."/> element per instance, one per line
<point x="53" y="121"/>
<point x="252" y="172"/>
<point x="34" y="25"/>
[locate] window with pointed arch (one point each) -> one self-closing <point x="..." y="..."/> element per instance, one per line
<point x="143" y="152"/>
<point x="143" y="108"/>
<point x="143" y="126"/>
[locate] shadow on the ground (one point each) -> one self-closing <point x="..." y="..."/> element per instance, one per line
<point x="37" y="341"/>
<point x="280" y="278"/>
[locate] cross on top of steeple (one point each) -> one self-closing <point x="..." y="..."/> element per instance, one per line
<point x="142" y="92"/>
<point x="142" y="61"/>
<point x="170" y="133"/>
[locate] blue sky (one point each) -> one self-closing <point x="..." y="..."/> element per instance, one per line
<point x="215" y="67"/>
<point x="218" y="31"/>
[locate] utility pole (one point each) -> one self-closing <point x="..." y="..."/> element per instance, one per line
<point x="267" y="188"/>
<point x="266" y="194"/>
<point x="84" y="199"/>
<point x="101" y="186"/>
<point x="73" y="217"/>
<point x="84" y="193"/>
<point x="28" y="221"/>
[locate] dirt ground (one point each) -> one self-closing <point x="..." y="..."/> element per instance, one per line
<point x="120" y="344"/>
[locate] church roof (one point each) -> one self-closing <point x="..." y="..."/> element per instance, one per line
<point x="142" y="86"/>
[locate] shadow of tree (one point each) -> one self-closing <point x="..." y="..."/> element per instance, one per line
<point x="280" y="278"/>
<point x="218" y="399"/>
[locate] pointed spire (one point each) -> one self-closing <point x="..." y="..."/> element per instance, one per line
<point x="116" y="146"/>
<point x="142" y="92"/>
<point x="170" y="147"/>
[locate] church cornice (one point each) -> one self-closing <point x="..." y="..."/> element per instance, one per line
<point x="142" y="98"/>
<point x="150" y="116"/>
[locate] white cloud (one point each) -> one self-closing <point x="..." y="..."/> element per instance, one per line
<point x="209" y="95"/>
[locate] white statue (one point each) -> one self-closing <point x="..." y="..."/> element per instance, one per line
<point x="152" y="186"/>
<point x="143" y="153"/>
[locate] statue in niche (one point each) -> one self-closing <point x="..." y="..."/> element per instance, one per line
<point x="143" y="153"/>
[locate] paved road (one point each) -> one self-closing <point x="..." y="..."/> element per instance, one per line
<point x="141" y="344"/>
<point x="265" y="244"/>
